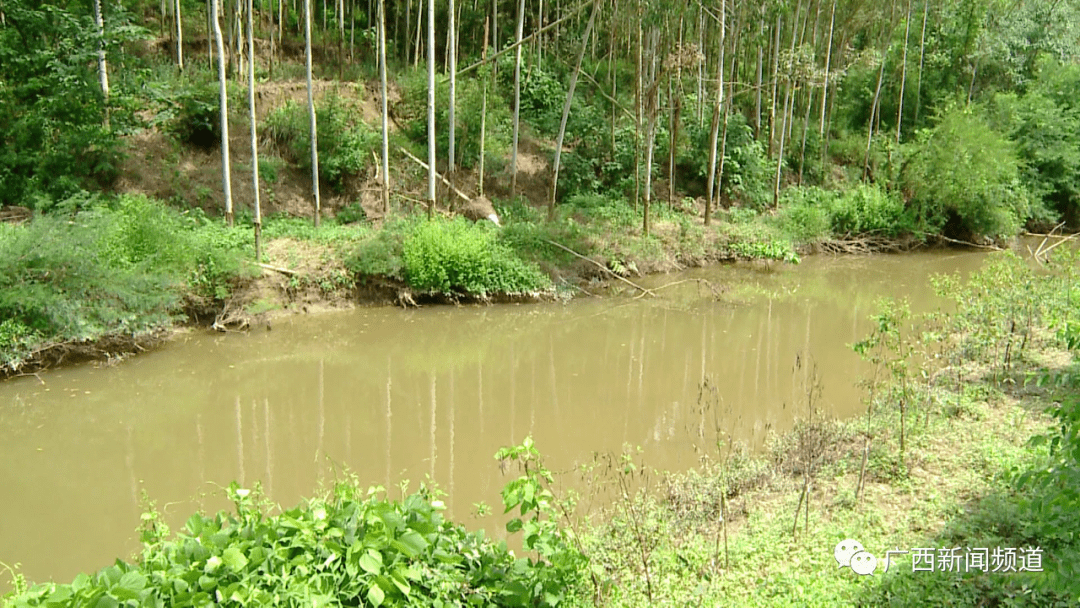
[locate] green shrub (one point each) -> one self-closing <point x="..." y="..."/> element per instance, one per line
<point x="411" y="112"/>
<point x="806" y="213"/>
<point x="964" y="171"/>
<point x="867" y="209"/>
<point x="459" y="256"/>
<point x="345" y="145"/>
<point x="123" y="268"/>
<point x="197" y="116"/>
<point x="349" y="547"/>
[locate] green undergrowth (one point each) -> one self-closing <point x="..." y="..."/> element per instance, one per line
<point x="346" y="547"/>
<point x="121" y="267"/>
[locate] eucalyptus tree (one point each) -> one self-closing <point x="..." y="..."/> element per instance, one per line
<point x="452" y="58"/>
<point x="483" y="108"/>
<point x="903" y="74"/>
<point x="431" y="106"/>
<point x="517" y="96"/>
<point x="714" y="131"/>
<point x="226" y="169"/>
<point x="179" y="34"/>
<point x="103" y="68"/>
<point x="254" y="134"/>
<point x="566" y="109"/>
<point x="311" y="113"/>
<point x="383" y="109"/>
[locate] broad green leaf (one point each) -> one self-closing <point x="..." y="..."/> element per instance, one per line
<point x="234" y="559"/>
<point x="411" y="543"/>
<point x="371" y="562"/>
<point x="375" y="595"/>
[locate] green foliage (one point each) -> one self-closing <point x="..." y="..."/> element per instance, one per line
<point x="964" y="171"/>
<point x="196" y="116"/>
<point x="351" y="213"/>
<point x="53" y="139"/>
<point x="560" y="564"/>
<point x="867" y="209"/>
<point x="411" y="112"/>
<point x="118" y="269"/>
<point x="542" y="94"/>
<point x="459" y="256"/>
<point x="1045" y="125"/>
<point x="747" y="169"/>
<point x="806" y="213"/>
<point x="345" y="548"/>
<point x="345" y="144"/>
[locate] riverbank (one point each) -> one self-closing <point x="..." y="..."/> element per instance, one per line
<point x="125" y="271"/>
<point x="944" y="459"/>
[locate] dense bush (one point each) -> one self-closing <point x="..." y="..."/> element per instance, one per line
<point x="459" y="256"/>
<point x="411" y="112"/>
<point x="119" y="269"/>
<point x="346" y="548"/>
<point x="963" y="171"/>
<point x="806" y="213"/>
<point x="867" y="209"/>
<point x="1045" y="125"/>
<point x="53" y="135"/>
<point x="345" y="144"/>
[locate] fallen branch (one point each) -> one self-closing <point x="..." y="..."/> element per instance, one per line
<point x="602" y="267"/>
<point x="715" y="290"/>
<point x="291" y="273"/>
<point x="990" y="247"/>
<point x="444" y="180"/>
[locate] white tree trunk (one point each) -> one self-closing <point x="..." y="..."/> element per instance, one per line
<point x="103" y="68"/>
<point x="903" y="74"/>
<point x="483" y="111"/>
<point x="431" y="105"/>
<point x="311" y="114"/>
<point x="566" y="109"/>
<point x="517" y="97"/>
<point x="226" y="169"/>
<point x="179" y="36"/>
<point x="828" y="65"/>
<point x="452" y="48"/>
<point x="383" y="110"/>
<point x="714" y="132"/>
<point x="254" y="133"/>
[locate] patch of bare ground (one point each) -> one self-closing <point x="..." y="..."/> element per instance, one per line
<point x="158" y="166"/>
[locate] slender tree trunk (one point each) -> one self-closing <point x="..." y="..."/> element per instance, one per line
<point x="903" y="74"/>
<point x="383" y="110"/>
<point x="922" y="54"/>
<point x="517" y="97"/>
<point x="780" y="151"/>
<point x="715" y="130"/>
<point x="873" y="113"/>
<point x="483" y="108"/>
<point x="408" y="27"/>
<point x="775" y="87"/>
<point x="226" y="168"/>
<point x="566" y="109"/>
<point x="638" y="100"/>
<point x="431" y="106"/>
<point x="254" y="134"/>
<point x="103" y="68"/>
<point x="179" y="35"/>
<point x="650" y="130"/>
<point x="341" y="37"/>
<point x="452" y="44"/>
<point x="419" y="28"/>
<point x="758" y="84"/>
<point x="311" y="114"/>
<point x="828" y="66"/>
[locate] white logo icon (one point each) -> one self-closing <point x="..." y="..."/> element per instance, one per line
<point x="850" y="552"/>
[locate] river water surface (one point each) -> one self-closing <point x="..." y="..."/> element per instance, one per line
<point x="392" y="394"/>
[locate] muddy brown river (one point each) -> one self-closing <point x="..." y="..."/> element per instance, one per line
<point x="393" y="394"/>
